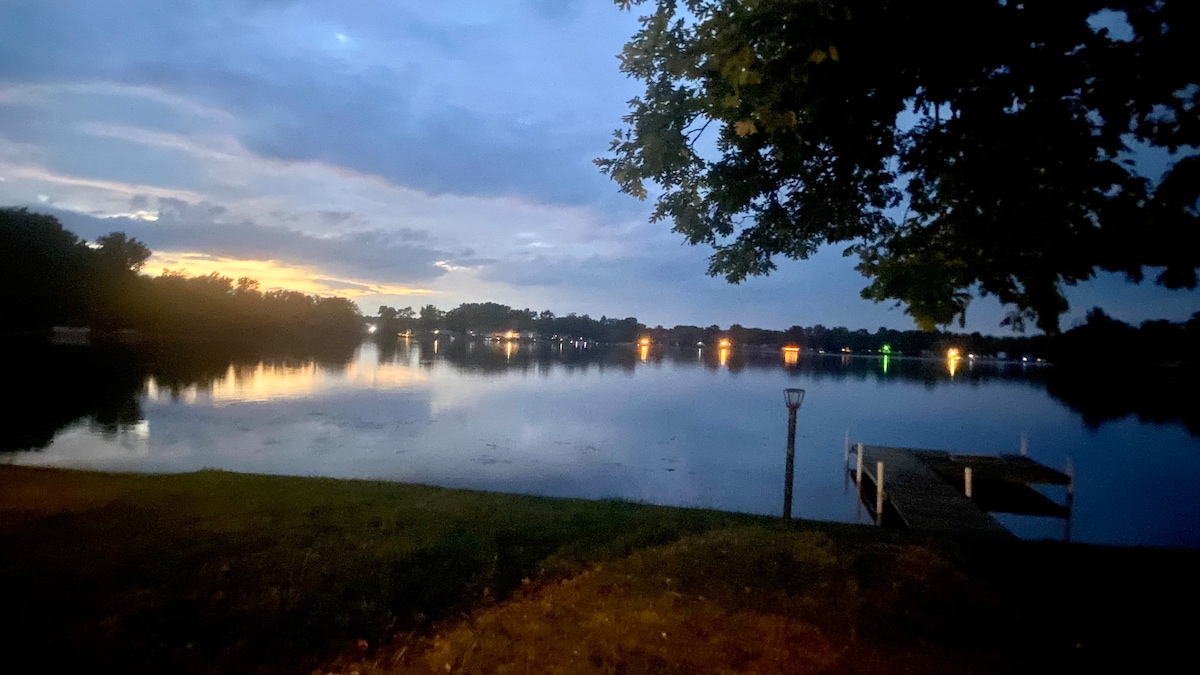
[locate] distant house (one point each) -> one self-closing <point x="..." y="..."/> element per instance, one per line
<point x="513" y="335"/>
<point x="70" y="335"/>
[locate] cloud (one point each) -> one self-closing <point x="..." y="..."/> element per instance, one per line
<point x="468" y="101"/>
<point x="396" y="257"/>
<point x="243" y="203"/>
<point x="33" y="174"/>
<point x="94" y="92"/>
<point x="382" y="150"/>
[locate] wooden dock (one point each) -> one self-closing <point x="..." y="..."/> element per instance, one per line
<point x="951" y="493"/>
<point x="1001" y="482"/>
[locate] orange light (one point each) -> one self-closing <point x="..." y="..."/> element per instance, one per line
<point x="791" y="355"/>
<point x="644" y="341"/>
<point x="724" y="344"/>
<point x="952" y="353"/>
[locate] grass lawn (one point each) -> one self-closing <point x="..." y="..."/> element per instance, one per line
<point x="213" y="572"/>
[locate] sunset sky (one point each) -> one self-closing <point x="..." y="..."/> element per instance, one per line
<point x="398" y="153"/>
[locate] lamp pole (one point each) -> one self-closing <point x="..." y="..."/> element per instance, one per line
<point x="793" y="398"/>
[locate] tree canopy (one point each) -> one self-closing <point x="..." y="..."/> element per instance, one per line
<point x="956" y="147"/>
<point x="51" y="277"/>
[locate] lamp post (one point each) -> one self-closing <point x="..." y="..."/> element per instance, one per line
<point x="793" y="398"/>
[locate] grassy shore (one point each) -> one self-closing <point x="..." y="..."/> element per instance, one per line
<point x="213" y="572"/>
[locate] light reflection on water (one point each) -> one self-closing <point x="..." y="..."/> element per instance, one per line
<point x="694" y="427"/>
<point x="265" y="383"/>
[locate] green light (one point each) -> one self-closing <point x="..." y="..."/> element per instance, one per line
<point x="886" y="349"/>
<point x="885" y="363"/>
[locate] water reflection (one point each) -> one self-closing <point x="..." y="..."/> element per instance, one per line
<point x="696" y="426"/>
<point x="59" y="387"/>
<point x="50" y="389"/>
<point x="106" y="389"/>
<point x="265" y="382"/>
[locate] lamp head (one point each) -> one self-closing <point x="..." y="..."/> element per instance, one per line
<point x="793" y="398"/>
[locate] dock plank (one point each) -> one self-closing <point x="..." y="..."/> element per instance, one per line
<point x="1005" y="467"/>
<point x="922" y="498"/>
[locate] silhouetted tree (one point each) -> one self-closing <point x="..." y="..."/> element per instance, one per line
<point x="122" y="252"/>
<point x="1003" y="129"/>
<point x="431" y="318"/>
<point x="44" y="273"/>
<point x="51" y="277"/>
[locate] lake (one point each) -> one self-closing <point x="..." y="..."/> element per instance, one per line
<point x="663" y="425"/>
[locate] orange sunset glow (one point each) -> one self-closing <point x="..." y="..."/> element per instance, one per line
<point x="273" y="274"/>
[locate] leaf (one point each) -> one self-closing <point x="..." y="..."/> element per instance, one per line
<point x="744" y="127"/>
<point x="817" y="56"/>
<point x="833" y="53"/>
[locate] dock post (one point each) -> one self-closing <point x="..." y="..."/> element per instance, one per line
<point x="846" y="464"/>
<point x="879" y="493"/>
<point x="858" y="504"/>
<point x="1070" y="500"/>
<point x="967" y="476"/>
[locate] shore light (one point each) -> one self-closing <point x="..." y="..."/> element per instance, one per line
<point x="792" y="398"/>
<point x="791" y="355"/>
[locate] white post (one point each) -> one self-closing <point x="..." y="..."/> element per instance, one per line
<point x="858" y="471"/>
<point x="967" y="475"/>
<point x="846" y="448"/>
<point x="879" y="493"/>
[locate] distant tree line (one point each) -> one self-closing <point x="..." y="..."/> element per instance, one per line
<point x="1100" y="336"/>
<point x="486" y="318"/>
<point x="51" y="277"/>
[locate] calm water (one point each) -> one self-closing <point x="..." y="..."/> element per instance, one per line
<point x="665" y="426"/>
